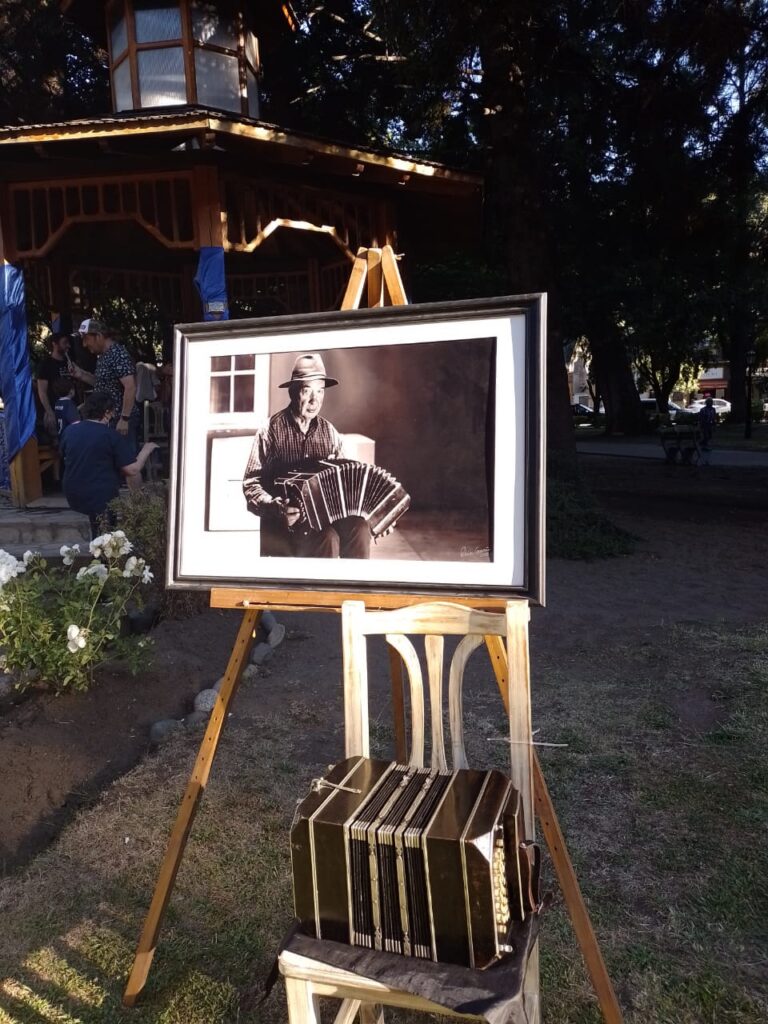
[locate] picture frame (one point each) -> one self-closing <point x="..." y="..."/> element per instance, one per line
<point x="441" y="402"/>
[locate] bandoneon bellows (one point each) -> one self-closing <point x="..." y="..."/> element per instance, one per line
<point x="333" y="489"/>
<point x="413" y="861"/>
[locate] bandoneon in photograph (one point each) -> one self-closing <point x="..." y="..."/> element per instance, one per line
<point x="333" y="489"/>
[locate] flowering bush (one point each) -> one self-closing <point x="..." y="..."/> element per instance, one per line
<point x="57" y="624"/>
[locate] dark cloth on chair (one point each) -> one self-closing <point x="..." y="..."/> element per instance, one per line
<point x="495" y="994"/>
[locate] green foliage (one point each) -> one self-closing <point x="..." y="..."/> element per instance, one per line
<point x="58" y="624"/>
<point x="138" y="324"/>
<point x="143" y="515"/>
<point x="48" y="68"/>
<point x="460" y="275"/>
<point x="576" y="527"/>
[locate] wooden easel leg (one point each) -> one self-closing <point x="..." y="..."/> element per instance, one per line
<point x="574" y="901"/>
<point x="188" y="809"/>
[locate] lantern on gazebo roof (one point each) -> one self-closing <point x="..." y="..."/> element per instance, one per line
<point x="166" y="53"/>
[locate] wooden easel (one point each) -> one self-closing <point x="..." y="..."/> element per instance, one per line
<point x="374" y="270"/>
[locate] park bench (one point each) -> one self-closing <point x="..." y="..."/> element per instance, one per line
<point x="681" y="444"/>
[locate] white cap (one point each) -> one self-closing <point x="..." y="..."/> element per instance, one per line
<point x="91" y="326"/>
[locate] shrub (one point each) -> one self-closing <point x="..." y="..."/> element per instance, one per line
<point x="143" y="515"/>
<point x="58" y="623"/>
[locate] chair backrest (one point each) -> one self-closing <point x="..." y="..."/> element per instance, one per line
<point x="434" y="621"/>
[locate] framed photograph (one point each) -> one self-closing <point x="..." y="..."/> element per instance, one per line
<point x="398" y="449"/>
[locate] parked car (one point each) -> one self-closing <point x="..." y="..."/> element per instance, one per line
<point x="722" y="407"/>
<point x="676" y="410"/>
<point x="650" y="406"/>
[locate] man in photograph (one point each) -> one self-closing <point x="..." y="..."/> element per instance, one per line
<point x="295" y="436"/>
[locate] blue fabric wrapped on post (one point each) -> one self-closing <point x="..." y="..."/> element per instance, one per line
<point x="211" y="283"/>
<point x="15" y="372"/>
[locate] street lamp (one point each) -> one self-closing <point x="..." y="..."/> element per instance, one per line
<point x="751" y="356"/>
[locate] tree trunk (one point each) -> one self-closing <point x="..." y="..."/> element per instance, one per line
<point x="515" y="219"/>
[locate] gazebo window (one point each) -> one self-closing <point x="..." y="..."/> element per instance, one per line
<point x="118" y="33"/>
<point x="156" y="22"/>
<point x="161" y="77"/>
<point x="214" y="25"/>
<point x="121" y="82"/>
<point x="188" y="51"/>
<point x="218" y="79"/>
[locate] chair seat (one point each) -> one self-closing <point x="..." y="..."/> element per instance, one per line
<point x="321" y="967"/>
<point x="326" y="980"/>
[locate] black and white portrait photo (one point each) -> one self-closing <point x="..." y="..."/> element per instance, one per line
<point x="386" y="449"/>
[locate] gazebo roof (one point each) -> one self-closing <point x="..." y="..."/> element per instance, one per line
<point x="164" y="131"/>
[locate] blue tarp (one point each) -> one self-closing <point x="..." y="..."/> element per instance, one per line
<point x="15" y="373"/>
<point x="211" y="283"/>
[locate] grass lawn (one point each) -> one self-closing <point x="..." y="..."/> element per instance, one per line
<point x="662" y="792"/>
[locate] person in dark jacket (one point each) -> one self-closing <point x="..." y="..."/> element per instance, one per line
<point x="707" y="421"/>
<point x="98" y="459"/>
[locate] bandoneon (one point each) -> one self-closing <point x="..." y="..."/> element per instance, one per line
<point x="413" y="861"/>
<point x="333" y="489"/>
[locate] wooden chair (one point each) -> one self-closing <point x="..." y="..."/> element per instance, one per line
<point x="306" y="980"/>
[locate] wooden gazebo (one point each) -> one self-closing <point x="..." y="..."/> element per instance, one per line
<point x="121" y="205"/>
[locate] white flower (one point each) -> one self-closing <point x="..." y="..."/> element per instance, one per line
<point x="68" y="553"/>
<point x="96" y="569"/>
<point x="9" y="567"/>
<point x="111" y="545"/>
<point x="28" y="556"/>
<point x="76" y="638"/>
<point x="131" y="566"/>
<point x="97" y="545"/>
<point x="120" y="543"/>
<point x="147" y="576"/>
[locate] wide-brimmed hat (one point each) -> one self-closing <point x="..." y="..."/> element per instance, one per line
<point x="309" y="367"/>
<point x="92" y="326"/>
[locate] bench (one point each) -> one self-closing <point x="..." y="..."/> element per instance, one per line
<point x="681" y="444"/>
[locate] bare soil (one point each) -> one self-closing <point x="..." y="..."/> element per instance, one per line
<point x="701" y="552"/>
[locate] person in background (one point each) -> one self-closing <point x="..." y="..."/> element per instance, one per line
<point x="65" y="406"/>
<point x="97" y="459"/>
<point x="707" y="421"/>
<point x="55" y="366"/>
<point x="115" y="374"/>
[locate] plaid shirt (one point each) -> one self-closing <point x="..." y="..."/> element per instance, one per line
<point x="282" y="446"/>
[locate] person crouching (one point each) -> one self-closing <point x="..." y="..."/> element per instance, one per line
<point x="97" y="460"/>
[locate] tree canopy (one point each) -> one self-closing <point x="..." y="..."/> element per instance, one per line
<point x="623" y="146"/>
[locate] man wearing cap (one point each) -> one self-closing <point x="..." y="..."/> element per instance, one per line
<point x="295" y="435"/>
<point x="115" y="374"/>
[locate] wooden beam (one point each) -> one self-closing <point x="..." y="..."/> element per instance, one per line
<point x="375" y="279"/>
<point x="392" y="280"/>
<point x="356" y="283"/>
<point x="26" y="485"/>
<point x="207" y="207"/>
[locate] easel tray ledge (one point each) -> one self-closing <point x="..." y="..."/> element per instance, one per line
<point x="331" y="601"/>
